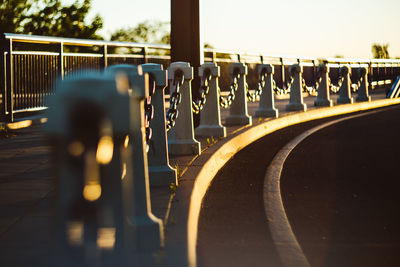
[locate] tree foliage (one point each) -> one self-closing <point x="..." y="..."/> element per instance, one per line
<point x="49" y="18"/>
<point x="380" y="51"/>
<point x="144" y="32"/>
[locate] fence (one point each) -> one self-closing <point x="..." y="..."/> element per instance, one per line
<point x="30" y="66"/>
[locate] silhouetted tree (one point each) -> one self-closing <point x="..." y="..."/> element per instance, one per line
<point x="49" y="18"/>
<point x="144" y="32"/>
<point x="380" y="51"/>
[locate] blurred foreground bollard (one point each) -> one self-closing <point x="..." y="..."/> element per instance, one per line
<point x="362" y="94"/>
<point x="210" y="116"/>
<point x="296" y="90"/>
<point x="266" y="107"/>
<point x="181" y="139"/>
<point x="323" y="98"/>
<point x="238" y="114"/>
<point x="160" y="172"/>
<point x="345" y="88"/>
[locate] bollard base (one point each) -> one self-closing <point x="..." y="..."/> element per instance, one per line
<point x="296" y="107"/>
<point x="363" y="98"/>
<point x="210" y="130"/>
<point x="345" y="100"/>
<point x="184" y="147"/>
<point x="162" y="175"/>
<point x="149" y="233"/>
<point x="232" y="120"/>
<point x="323" y="102"/>
<point x="267" y="113"/>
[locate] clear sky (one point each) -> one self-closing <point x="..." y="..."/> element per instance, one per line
<point x="322" y="28"/>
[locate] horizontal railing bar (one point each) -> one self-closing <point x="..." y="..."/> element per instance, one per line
<point x="40" y="53"/>
<point x="82" y="55"/>
<point x="29" y="109"/>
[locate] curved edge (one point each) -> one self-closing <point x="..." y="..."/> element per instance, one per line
<point x="288" y="248"/>
<point x="192" y="190"/>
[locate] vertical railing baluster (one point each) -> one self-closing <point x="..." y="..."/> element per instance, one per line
<point x="60" y="60"/>
<point x="144" y="54"/>
<point x="9" y="80"/>
<point x="282" y="73"/>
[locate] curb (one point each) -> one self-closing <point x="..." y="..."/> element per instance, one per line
<point x="23" y="123"/>
<point x="182" y="230"/>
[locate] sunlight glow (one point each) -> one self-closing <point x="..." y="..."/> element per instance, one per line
<point x="92" y="188"/>
<point x="76" y="148"/>
<point x="105" y="149"/>
<point x="106" y="237"/>
<point x="74" y="231"/>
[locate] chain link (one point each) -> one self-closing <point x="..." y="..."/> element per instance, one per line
<point x="175" y="99"/>
<point x="335" y="88"/>
<point x="198" y="105"/>
<point x="357" y="85"/>
<point x="149" y="111"/>
<point x="253" y="97"/>
<point x="311" y="89"/>
<point x="225" y="102"/>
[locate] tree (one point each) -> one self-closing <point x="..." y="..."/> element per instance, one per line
<point x="49" y="18"/>
<point x="144" y="32"/>
<point x="380" y="51"/>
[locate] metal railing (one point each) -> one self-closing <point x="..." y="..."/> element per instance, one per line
<point x="30" y="66"/>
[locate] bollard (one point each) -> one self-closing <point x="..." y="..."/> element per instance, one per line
<point x="345" y="88"/>
<point x="323" y="98"/>
<point x="266" y="107"/>
<point x="181" y="139"/>
<point x="160" y="172"/>
<point x="145" y="229"/>
<point x="210" y="116"/>
<point x="362" y="94"/>
<point x="238" y="114"/>
<point x="87" y="134"/>
<point x="296" y="96"/>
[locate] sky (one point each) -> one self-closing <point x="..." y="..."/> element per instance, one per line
<point x="321" y="28"/>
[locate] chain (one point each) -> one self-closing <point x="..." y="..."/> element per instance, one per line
<point x="357" y="85"/>
<point x="198" y="105"/>
<point x="175" y="99"/>
<point x="253" y="97"/>
<point x="226" y="102"/>
<point x="311" y="89"/>
<point x="335" y="88"/>
<point x="149" y="111"/>
<point x="277" y="90"/>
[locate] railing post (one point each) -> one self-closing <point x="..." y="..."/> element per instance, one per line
<point x="160" y="172"/>
<point x="266" y="107"/>
<point x="238" y="114"/>
<point x="345" y="88"/>
<point x="296" y="96"/>
<point x="3" y="77"/>
<point x="8" y="91"/>
<point x="60" y="61"/>
<point x="323" y="98"/>
<point x="144" y="54"/>
<point x="283" y="86"/>
<point x="104" y="59"/>
<point x="362" y="94"/>
<point x="210" y="116"/>
<point x="181" y="139"/>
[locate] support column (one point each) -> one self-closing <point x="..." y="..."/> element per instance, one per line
<point x="160" y="172"/>
<point x="266" y="107"/>
<point x="238" y="114"/>
<point x="323" y="98"/>
<point x="181" y="139"/>
<point x="210" y="116"/>
<point x="345" y="88"/>
<point x="296" y="93"/>
<point x="363" y="95"/>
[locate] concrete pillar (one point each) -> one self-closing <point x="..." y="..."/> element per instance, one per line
<point x="296" y="97"/>
<point x="266" y="107"/>
<point x="238" y="114"/>
<point x="345" y="88"/>
<point x="160" y="172"/>
<point x="362" y="94"/>
<point x="181" y="139"/>
<point x="323" y="98"/>
<point x="210" y="116"/>
<point x="142" y="228"/>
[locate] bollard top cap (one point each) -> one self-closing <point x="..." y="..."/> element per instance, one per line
<point x="323" y="67"/>
<point x="240" y="66"/>
<point x="344" y="70"/>
<point x="295" y="68"/>
<point x="212" y="66"/>
<point x="362" y="71"/>
<point x="157" y="73"/>
<point x="268" y="68"/>
<point x="182" y="66"/>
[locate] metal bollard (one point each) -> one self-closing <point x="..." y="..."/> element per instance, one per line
<point x="210" y="116"/>
<point x="323" y="98"/>
<point x="181" y="139"/>
<point x="296" y="96"/>
<point x="238" y="114"/>
<point x="160" y="172"/>
<point x="88" y="134"/>
<point x="145" y="229"/>
<point x="266" y="107"/>
<point x="362" y="94"/>
<point x="345" y="88"/>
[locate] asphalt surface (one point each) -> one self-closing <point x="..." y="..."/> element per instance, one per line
<point x="233" y="230"/>
<point x="340" y="188"/>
